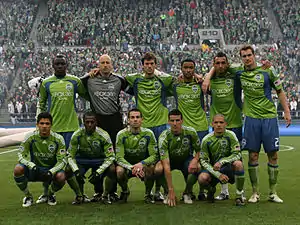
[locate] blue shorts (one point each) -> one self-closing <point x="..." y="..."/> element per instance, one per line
<point x="183" y="167"/>
<point x="34" y="176"/>
<point x="261" y="131"/>
<point x="225" y="169"/>
<point x="238" y="132"/>
<point x="158" y="130"/>
<point x="85" y="164"/>
<point x="202" y="134"/>
<point x="67" y="137"/>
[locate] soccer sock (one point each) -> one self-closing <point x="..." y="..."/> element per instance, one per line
<point x="191" y="180"/>
<point x="22" y="182"/>
<point x="54" y="187"/>
<point x="74" y="185"/>
<point x="201" y="188"/>
<point x="253" y="174"/>
<point x="123" y="182"/>
<point x="109" y="184"/>
<point x="239" y="177"/>
<point x="46" y="187"/>
<point x="148" y="186"/>
<point x="273" y="174"/>
<point x="157" y="185"/>
<point x="224" y="189"/>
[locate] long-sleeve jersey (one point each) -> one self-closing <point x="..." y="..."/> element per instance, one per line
<point x="178" y="147"/>
<point x="223" y="149"/>
<point x="60" y="94"/>
<point x="97" y="146"/>
<point x="47" y="152"/>
<point x="134" y="148"/>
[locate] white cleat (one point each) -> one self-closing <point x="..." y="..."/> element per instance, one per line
<point x="27" y="201"/>
<point x="222" y="196"/>
<point x="254" y="198"/>
<point x="187" y="199"/>
<point x="166" y="199"/>
<point x="275" y="198"/>
<point x="42" y="199"/>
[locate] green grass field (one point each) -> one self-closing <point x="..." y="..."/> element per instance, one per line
<point x="136" y="212"/>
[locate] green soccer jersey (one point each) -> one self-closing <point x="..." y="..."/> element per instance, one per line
<point x="257" y="85"/>
<point x="98" y="145"/>
<point x="134" y="148"/>
<point x="190" y="101"/>
<point x="223" y="149"/>
<point x="47" y="152"/>
<point x="150" y="95"/>
<point x="60" y="94"/>
<point x="180" y="147"/>
<point x="226" y="99"/>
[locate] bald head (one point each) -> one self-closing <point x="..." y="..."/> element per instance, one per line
<point x="105" y="65"/>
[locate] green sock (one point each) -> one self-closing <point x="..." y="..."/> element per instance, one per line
<point x="273" y="174"/>
<point x="239" y="182"/>
<point x="149" y="183"/>
<point x="191" y="180"/>
<point x="109" y="183"/>
<point x="22" y="183"/>
<point x="74" y="185"/>
<point x="54" y="187"/>
<point x="46" y="187"/>
<point x="201" y="189"/>
<point x="253" y="174"/>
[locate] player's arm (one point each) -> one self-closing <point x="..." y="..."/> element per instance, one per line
<point x="109" y="155"/>
<point x="43" y="97"/>
<point x="206" y="81"/>
<point x="196" y="146"/>
<point x="73" y="147"/>
<point x="82" y="90"/>
<point x="235" y="150"/>
<point x="152" y="149"/>
<point x="60" y="156"/>
<point x="24" y="152"/>
<point x="120" y="153"/>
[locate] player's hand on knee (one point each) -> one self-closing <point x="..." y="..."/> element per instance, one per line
<point x="223" y="178"/>
<point x="217" y="166"/>
<point x="138" y="170"/>
<point x="193" y="166"/>
<point x="79" y="177"/>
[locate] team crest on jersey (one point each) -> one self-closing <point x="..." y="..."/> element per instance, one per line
<point x="223" y="143"/>
<point x="156" y="85"/>
<point x="111" y="87"/>
<point x="51" y="148"/>
<point x="142" y="143"/>
<point x="69" y="87"/>
<point x="257" y="77"/>
<point x="185" y="141"/>
<point x="195" y="88"/>
<point x="95" y="144"/>
<point x="228" y="82"/>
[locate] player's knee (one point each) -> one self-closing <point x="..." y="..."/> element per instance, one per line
<point x="273" y="157"/>
<point x="204" y="179"/>
<point x="111" y="170"/>
<point x="238" y="165"/>
<point x="60" y="177"/>
<point x="68" y="172"/>
<point x="253" y="157"/>
<point x="158" y="170"/>
<point x="19" y="170"/>
<point x="149" y="171"/>
<point x="120" y="171"/>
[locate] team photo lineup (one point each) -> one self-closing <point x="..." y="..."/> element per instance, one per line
<point x="103" y="153"/>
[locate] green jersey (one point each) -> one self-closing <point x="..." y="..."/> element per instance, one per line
<point x="190" y="101"/>
<point x="134" y="148"/>
<point x="226" y="99"/>
<point x="180" y="147"/>
<point x="257" y="85"/>
<point x="223" y="149"/>
<point x="60" y="94"/>
<point x="46" y="152"/>
<point x="98" y="145"/>
<point x="150" y="95"/>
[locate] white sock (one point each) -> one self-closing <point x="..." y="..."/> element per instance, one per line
<point x="224" y="189"/>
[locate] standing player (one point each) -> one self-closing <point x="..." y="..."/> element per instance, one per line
<point x="41" y="158"/>
<point x="58" y="93"/>
<point x="261" y="124"/>
<point x="179" y="148"/>
<point x="91" y="148"/>
<point x="221" y="160"/>
<point x="136" y="155"/>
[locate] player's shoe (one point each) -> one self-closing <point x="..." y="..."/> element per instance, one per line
<point x="86" y="199"/>
<point x="222" y="197"/>
<point x="149" y="199"/>
<point x="27" y="201"/>
<point x="42" y="199"/>
<point x="166" y="199"/>
<point x="254" y="198"/>
<point x="187" y="199"/>
<point x="275" y="198"/>
<point x="78" y="200"/>
<point x="211" y="195"/>
<point x="51" y="200"/>
<point x="97" y="197"/>
<point x="124" y="196"/>
<point x="202" y="196"/>
<point x="114" y="197"/>
<point x="239" y="201"/>
<point x="158" y="197"/>
<point x="106" y="199"/>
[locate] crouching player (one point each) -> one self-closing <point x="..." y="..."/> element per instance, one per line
<point x="220" y="159"/>
<point x="136" y="155"/>
<point x="91" y="148"/>
<point x="41" y="158"/>
<point x="179" y="148"/>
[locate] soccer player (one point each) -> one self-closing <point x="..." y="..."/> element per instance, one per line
<point x="41" y="158"/>
<point x="136" y="153"/>
<point x="179" y="148"/>
<point x="190" y="101"/>
<point x="91" y="148"/>
<point x="220" y="159"/>
<point x="261" y="124"/>
<point x="58" y="93"/>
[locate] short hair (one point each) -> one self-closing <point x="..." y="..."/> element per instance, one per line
<point x="175" y="112"/>
<point x="220" y="115"/>
<point x="149" y="56"/>
<point x="246" y="47"/>
<point x="219" y="55"/>
<point x="134" y="110"/>
<point x="44" y="115"/>
<point x="188" y="60"/>
<point x="59" y="56"/>
<point x="89" y="113"/>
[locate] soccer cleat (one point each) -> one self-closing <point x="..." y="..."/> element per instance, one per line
<point x="202" y="196"/>
<point x="222" y="197"/>
<point x="86" y="199"/>
<point x="149" y="199"/>
<point x="211" y="195"/>
<point x="106" y="199"/>
<point x="239" y="202"/>
<point x="42" y="199"/>
<point x="254" y="198"/>
<point x="124" y="196"/>
<point x="27" y="201"/>
<point x="51" y="200"/>
<point x="78" y="200"/>
<point x="158" y="197"/>
<point x="187" y="199"/>
<point x="114" y="197"/>
<point x="166" y="199"/>
<point x="275" y="198"/>
<point x="97" y="197"/>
